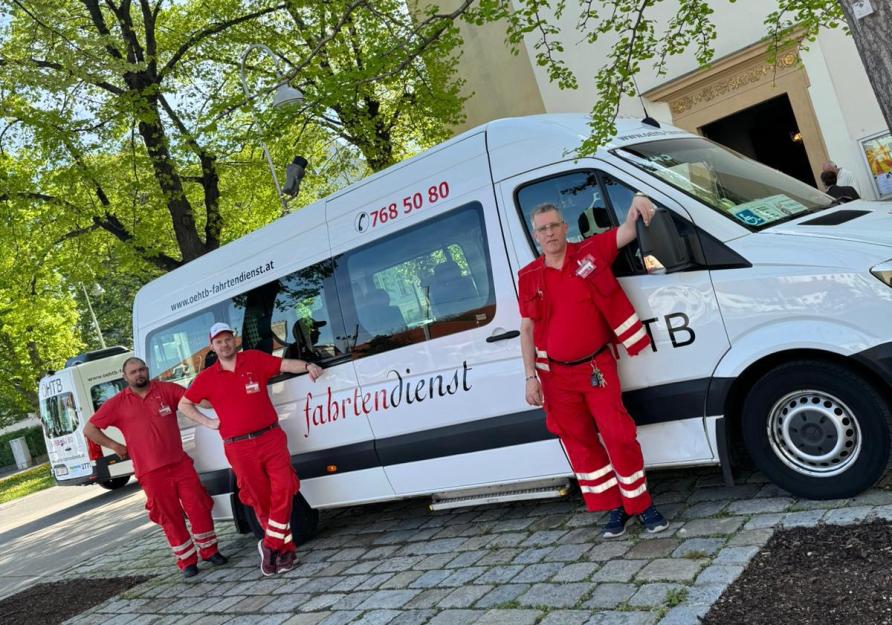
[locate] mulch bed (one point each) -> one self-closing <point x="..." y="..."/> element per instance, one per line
<point x="825" y="575"/>
<point x="55" y="602"/>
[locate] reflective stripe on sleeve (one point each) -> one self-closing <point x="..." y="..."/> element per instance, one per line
<point x="625" y="325"/>
<point x="641" y="333"/>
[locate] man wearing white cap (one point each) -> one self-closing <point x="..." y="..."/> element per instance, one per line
<point x="255" y="445"/>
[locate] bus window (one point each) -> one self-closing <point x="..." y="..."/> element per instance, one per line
<point x="101" y="393"/>
<point x="58" y="415"/>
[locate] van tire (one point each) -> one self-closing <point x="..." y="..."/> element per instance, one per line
<point x="115" y="482"/>
<point x="304" y="521"/>
<point x="817" y="429"/>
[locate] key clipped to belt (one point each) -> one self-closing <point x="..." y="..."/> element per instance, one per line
<point x="598" y="380"/>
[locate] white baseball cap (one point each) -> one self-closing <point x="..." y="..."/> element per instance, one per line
<point x="217" y="328"/>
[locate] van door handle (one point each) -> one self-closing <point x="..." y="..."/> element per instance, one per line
<point x="510" y="334"/>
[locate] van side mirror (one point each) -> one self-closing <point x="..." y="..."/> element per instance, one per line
<point x="661" y="242"/>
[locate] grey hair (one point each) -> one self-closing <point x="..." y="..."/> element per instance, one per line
<point x="132" y="359"/>
<point x="545" y="207"/>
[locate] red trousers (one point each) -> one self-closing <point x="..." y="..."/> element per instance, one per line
<point x="173" y="491"/>
<point x="267" y="483"/>
<point x="610" y="470"/>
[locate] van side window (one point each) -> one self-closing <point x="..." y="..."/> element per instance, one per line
<point x="289" y="317"/>
<point x="421" y="283"/>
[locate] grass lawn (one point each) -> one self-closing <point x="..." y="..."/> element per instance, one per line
<point x="25" y="483"/>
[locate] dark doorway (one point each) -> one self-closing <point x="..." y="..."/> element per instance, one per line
<point x="768" y="133"/>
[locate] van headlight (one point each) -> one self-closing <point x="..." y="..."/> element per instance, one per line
<point x="883" y="271"/>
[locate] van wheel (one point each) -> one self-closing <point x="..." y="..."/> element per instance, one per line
<point x="817" y="429"/>
<point x="115" y="482"/>
<point x="304" y="521"/>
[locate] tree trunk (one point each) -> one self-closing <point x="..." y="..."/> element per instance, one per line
<point x="872" y="35"/>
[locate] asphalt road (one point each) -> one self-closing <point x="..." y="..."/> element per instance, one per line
<point x="61" y="526"/>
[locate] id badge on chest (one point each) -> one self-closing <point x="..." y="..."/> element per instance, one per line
<point x="251" y="386"/>
<point x="164" y="410"/>
<point x="586" y="266"/>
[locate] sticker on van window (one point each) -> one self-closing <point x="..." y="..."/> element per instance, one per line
<point x="767" y="209"/>
<point x="368" y="220"/>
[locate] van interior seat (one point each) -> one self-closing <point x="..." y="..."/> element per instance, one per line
<point x="378" y="316"/>
<point x="450" y="292"/>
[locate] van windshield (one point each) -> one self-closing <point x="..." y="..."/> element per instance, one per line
<point x="740" y="188"/>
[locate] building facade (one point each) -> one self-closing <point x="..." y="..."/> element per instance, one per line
<point x="811" y="106"/>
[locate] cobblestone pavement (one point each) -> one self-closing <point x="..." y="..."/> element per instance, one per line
<point x="530" y="563"/>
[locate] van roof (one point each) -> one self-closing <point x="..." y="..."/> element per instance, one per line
<point x="99" y="354"/>
<point x="515" y="145"/>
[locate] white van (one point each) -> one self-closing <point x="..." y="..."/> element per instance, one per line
<point x="68" y="398"/>
<point x="770" y="319"/>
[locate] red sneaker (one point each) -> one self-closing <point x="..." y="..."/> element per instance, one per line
<point x="284" y="561"/>
<point x="267" y="559"/>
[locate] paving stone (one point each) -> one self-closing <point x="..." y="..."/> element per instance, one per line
<point x="373" y="581"/>
<point x="437" y="561"/>
<point x="736" y="555"/>
<point x="464" y="597"/>
<point x="428" y="598"/>
<point x="763" y="521"/>
<point x="461" y="577"/>
<point x="564" y="595"/>
<point x="584" y="519"/>
<point x="848" y="516"/>
<point x="608" y="550"/>
<point x="702" y="546"/>
<point x="704" y="594"/>
<point x="623" y="618"/>
<point x="653" y="595"/>
<point x="657" y="548"/>
<point x="339" y="618"/>
<point x="808" y="518"/>
<point x="456" y="617"/>
<point x="566" y="617"/>
<point x="320" y="602"/>
<point x="575" y="572"/>
<point x="610" y="595"/>
<point x="720" y="574"/>
<point x="531" y="556"/>
<point x="250" y="619"/>
<point x="704" y="509"/>
<point x="501" y="595"/>
<point x="669" y="570"/>
<point x="498" y="556"/>
<point x="401" y="580"/>
<point x="712" y="527"/>
<point x="352" y="600"/>
<point x="683" y="615"/>
<point x="618" y="570"/>
<point x="671" y="496"/>
<point x="537" y="572"/>
<point x="884" y="512"/>
<point x="500" y="574"/>
<point x="251" y="604"/>
<point x="567" y="553"/>
<point x="742" y="491"/>
<point x="468" y="558"/>
<point x="395" y="565"/>
<point x="820" y="504"/>
<point x="431" y="578"/>
<point x="377" y="617"/>
<point x="751" y="537"/>
<point x="282" y="603"/>
<point x="388" y="599"/>
<point x="544" y="538"/>
<point x="760" y="506"/>
<point x="873" y="497"/>
<point x="413" y="617"/>
<point x="510" y="539"/>
<point x="476" y="543"/>
<point x="509" y="617"/>
<point x="513" y="525"/>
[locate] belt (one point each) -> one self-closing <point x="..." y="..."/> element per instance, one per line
<point x="251" y="435"/>
<point x="581" y="361"/>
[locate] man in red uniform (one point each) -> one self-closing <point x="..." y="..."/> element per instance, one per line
<point x="146" y="414"/>
<point x="572" y="307"/>
<point x="255" y="445"/>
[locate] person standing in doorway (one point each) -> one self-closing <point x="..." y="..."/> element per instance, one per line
<point x="255" y="445"/>
<point x="146" y="413"/>
<point x="572" y="308"/>
<point x="844" y="178"/>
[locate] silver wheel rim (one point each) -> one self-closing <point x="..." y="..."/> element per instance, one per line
<point x="814" y="433"/>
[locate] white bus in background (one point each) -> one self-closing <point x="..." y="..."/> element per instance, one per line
<point x="68" y="398"/>
<point x="769" y="306"/>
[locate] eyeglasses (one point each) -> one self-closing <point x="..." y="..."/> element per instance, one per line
<point x="549" y="227"/>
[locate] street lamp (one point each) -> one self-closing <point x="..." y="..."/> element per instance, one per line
<point x="284" y="95"/>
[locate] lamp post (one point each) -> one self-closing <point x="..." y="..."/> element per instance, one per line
<point x="285" y="94"/>
<point x="97" y="291"/>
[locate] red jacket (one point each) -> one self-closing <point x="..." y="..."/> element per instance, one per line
<point x="606" y="291"/>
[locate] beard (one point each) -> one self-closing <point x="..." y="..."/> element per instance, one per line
<point x="140" y="383"/>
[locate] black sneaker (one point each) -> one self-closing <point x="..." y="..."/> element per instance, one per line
<point x="653" y="521"/>
<point x="267" y="559"/>
<point x="616" y="523"/>
<point x="190" y="571"/>
<point x="218" y="559"/>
